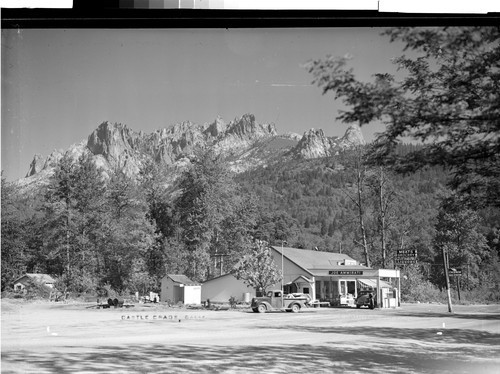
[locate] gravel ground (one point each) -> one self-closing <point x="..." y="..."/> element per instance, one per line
<point x="41" y="337"/>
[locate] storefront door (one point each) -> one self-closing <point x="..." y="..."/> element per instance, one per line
<point x="347" y="287"/>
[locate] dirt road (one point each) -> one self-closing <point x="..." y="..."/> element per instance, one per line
<point x="69" y="338"/>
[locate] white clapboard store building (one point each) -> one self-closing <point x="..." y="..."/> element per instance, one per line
<point x="333" y="277"/>
<point x="329" y="278"/>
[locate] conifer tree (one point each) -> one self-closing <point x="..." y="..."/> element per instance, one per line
<point x="14" y="245"/>
<point x="457" y="232"/>
<point x="211" y="214"/>
<point x="73" y="220"/>
<point x="129" y="236"/>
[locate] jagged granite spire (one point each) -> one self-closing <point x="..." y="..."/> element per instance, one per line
<point x="314" y="143"/>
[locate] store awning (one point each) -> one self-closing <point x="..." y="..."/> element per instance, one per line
<point x="373" y="283"/>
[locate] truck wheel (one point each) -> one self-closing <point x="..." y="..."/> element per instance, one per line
<point x="262" y="308"/>
<point x="295" y="308"/>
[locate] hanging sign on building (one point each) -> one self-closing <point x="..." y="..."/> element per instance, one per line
<point x="345" y="272"/>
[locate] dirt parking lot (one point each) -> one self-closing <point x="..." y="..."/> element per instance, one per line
<point x="41" y="337"/>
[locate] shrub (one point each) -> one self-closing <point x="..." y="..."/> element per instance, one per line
<point x="37" y="290"/>
<point x="233" y="301"/>
<point x="479" y="295"/>
<point x="414" y="288"/>
<point x="108" y="291"/>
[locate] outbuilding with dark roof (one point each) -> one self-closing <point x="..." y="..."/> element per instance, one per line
<point x="24" y="282"/>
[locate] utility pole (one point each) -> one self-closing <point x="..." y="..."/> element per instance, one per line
<point x="68" y="257"/>
<point x="282" y="272"/>
<point x="445" y="264"/>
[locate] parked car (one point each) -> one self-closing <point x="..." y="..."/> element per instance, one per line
<point x="366" y="298"/>
<point x="276" y="300"/>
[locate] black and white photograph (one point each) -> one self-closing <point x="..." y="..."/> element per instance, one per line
<point x="251" y="199"/>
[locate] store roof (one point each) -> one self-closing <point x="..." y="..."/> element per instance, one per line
<point x="182" y="279"/>
<point x="314" y="260"/>
<point x="38" y="277"/>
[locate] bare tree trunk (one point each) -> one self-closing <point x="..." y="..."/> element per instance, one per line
<point x="385" y="198"/>
<point x="67" y="243"/>
<point x="382" y="214"/>
<point x="358" y="200"/>
<point x="360" y="181"/>
<point x="361" y="214"/>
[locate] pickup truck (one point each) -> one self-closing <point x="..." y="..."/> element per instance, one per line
<point x="275" y="300"/>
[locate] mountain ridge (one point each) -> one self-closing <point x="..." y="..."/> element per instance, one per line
<point x="244" y="142"/>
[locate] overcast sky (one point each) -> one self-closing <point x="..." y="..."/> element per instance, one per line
<point x="59" y="85"/>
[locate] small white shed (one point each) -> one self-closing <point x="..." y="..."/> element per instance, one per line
<point x="220" y="289"/>
<point x="179" y="288"/>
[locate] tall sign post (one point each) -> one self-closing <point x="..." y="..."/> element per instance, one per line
<point x="404" y="257"/>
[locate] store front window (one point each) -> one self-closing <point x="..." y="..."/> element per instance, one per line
<point x="347" y="287"/>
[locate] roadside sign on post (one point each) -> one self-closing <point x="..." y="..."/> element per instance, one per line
<point x="454" y="272"/>
<point x="406" y="256"/>
<point x="406" y="253"/>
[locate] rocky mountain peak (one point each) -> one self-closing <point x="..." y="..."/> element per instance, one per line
<point x="110" y="140"/>
<point x="246" y="126"/>
<point x="40" y="163"/>
<point x="241" y="133"/>
<point x="115" y="145"/>
<point x="121" y="147"/>
<point x="216" y="128"/>
<point x="36" y="165"/>
<point x="353" y="136"/>
<point x="315" y="144"/>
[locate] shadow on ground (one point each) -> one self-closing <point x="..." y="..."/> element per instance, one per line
<point x="476" y="316"/>
<point x="328" y="358"/>
<point x="449" y="336"/>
